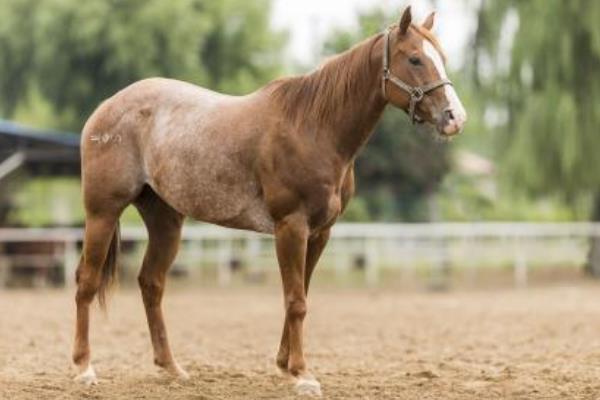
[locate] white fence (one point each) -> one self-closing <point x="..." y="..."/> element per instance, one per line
<point x="375" y="246"/>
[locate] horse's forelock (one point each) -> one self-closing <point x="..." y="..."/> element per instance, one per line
<point x="430" y="37"/>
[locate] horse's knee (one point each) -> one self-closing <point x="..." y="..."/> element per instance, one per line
<point x="86" y="290"/>
<point x="296" y="308"/>
<point x="151" y="288"/>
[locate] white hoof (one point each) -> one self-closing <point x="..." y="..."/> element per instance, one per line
<point x="180" y="373"/>
<point x="308" y="387"/>
<point x="174" y="370"/>
<point x="87" y="377"/>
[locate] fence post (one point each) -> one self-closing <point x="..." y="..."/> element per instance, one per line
<point x="70" y="261"/>
<point x="252" y="253"/>
<point x="338" y="248"/>
<point x="224" y="260"/>
<point x="520" y="265"/>
<point x="3" y="270"/>
<point x="440" y="277"/>
<point x="372" y="266"/>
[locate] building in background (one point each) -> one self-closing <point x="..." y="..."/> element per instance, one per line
<point x="27" y="152"/>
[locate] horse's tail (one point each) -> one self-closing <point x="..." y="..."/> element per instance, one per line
<point x="109" y="269"/>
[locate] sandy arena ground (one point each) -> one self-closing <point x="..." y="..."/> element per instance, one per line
<point x="507" y="344"/>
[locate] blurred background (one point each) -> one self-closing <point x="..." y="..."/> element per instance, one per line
<point x="512" y="202"/>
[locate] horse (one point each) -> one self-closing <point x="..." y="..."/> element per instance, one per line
<point x="279" y="161"/>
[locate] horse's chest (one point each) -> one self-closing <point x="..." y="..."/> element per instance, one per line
<point x="326" y="201"/>
<point x="326" y="212"/>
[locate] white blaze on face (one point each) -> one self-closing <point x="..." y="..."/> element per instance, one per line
<point x="454" y="102"/>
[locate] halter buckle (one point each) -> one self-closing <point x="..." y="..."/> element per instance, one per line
<point x="417" y="94"/>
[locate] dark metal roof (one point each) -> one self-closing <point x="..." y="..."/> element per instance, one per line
<point x="19" y="133"/>
<point x="44" y="152"/>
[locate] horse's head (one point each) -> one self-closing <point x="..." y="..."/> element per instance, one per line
<point x="414" y="76"/>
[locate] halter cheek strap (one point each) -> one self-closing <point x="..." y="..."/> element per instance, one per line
<point x="416" y="93"/>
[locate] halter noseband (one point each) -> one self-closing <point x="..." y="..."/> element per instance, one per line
<point x="416" y="92"/>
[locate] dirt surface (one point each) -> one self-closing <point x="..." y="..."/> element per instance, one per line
<point x="529" y="344"/>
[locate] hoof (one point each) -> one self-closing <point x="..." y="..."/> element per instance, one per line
<point x="282" y="367"/>
<point x="282" y="371"/>
<point x="308" y="387"/>
<point x="176" y="371"/>
<point x="87" y="377"/>
<point x="180" y="373"/>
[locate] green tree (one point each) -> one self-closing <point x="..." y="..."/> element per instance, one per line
<point x="403" y="165"/>
<point x="536" y="62"/>
<point x="240" y="52"/>
<point x="548" y="89"/>
<point x="74" y="54"/>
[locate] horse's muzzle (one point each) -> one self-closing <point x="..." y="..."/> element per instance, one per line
<point x="452" y="122"/>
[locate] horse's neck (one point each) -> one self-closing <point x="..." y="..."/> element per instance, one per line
<point x="353" y="120"/>
<point x="357" y="122"/>
<point x="341" y="102"/>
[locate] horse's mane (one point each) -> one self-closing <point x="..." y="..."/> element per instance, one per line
<point x="319" y="94"/>
<point x="337" y="82"/>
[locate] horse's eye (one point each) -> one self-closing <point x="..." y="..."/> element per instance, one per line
<point x="415" y="61"/>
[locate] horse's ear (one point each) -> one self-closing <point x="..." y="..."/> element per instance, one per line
<point x="405" y="21"/>
<point x="428" y="23"/>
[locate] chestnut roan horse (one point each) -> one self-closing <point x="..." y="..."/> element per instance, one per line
<point x="279" y="160"/>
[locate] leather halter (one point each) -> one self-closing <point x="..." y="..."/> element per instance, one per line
<point x="417" y="93"/>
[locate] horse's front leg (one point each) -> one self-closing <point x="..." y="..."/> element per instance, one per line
<point x="291" y="237"/>
<point x="316" y="245"/>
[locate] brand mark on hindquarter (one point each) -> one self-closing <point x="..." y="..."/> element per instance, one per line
<point x="105" y="138"/>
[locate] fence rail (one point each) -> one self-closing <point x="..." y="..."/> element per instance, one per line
<point x="342" y="230"/>
<point x="395" y="244"/>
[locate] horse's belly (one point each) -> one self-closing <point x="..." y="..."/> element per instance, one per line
<point x="219" y="197"/>
<point x="233" y="208"/>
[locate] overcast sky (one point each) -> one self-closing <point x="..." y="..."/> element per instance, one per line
<point x="309" y="21"/>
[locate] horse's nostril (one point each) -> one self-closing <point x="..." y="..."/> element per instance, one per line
<point x="449" y="114"/>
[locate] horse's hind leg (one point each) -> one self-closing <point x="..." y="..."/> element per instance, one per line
<point x="112" y="177"/>
<point x="164" y="231"/>
<point x="100" y="231"/>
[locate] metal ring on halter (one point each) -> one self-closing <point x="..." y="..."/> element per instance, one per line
<point x="416" y="93"/>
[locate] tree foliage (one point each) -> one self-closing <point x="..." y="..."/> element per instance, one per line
<point x="544" y="77"/>
<point x="75" y="54"/>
